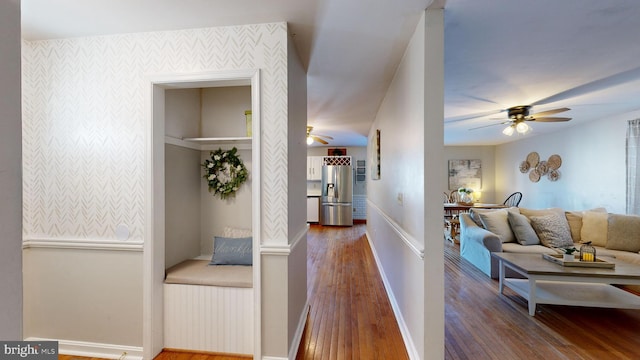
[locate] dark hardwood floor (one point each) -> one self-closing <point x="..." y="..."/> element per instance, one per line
<point x="351" y="317"/>
<point x="482" y="324"/>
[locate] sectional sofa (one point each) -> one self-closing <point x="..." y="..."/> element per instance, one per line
<point x="483" y="231"/>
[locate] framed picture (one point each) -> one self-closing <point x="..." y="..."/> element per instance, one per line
<point x="337" y="151"/>
<point x="375" y="155"/>
<point x="465" y="173"/>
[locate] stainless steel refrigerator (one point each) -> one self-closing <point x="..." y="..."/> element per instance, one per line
<point x="336" y="206"/>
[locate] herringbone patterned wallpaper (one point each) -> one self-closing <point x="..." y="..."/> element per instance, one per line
<point x="84" y="126"/>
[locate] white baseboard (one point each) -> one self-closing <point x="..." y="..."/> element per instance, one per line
<point x="98" y="350"/>
<point x="295" y="345"/>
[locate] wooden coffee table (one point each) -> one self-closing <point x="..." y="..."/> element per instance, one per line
<point x="550" y="283"/>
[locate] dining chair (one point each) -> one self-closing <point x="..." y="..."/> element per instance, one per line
<point x="451" y="220"/>
<point x="513" y="200"/>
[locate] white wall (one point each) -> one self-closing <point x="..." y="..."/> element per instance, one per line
<point x="404" y="217"/>
<point x="223" y="116"/>
<point x="85" y="139"/>
<point x="297" y="202"/>
<point x="182" y="176"/>
<point x="223" y="111"/>
<point x="182" y="204"/>
<point x="484" y="153"/>
<point x="10" y="173"/>
<point x="593" y="171"/>
<point x="83" y="295"/>
<point x="183" y="109"/>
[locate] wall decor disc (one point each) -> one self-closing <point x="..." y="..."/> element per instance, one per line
<point x="534" y="176"/>
<point x="533" y="158"/>
<point x="542" y="168"/>
<point x="524" y="167"/>
<point x="554" y="162"/>
<point x="553" y="175"/>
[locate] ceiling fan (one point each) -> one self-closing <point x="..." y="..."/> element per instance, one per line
<point x="319" y="138"/>
<point x="519" y="116"/>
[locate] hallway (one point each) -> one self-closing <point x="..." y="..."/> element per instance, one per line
<point x="350" y="317"/>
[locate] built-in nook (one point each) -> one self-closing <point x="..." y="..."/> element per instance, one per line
<point x="215" y="117"/>
<point x="192" y="119"/>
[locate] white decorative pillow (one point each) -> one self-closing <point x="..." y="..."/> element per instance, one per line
<point x="498" y="223"/>
<point x="574" y="218"/>
<point x="231" y="232"/>
<point x="521" y="227"/>
<point x="594" y="228"/>
<point x="552" y="230"/>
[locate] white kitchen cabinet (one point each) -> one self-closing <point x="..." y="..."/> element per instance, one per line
<point x="314" y="167"/>
<point x="313" y="209"/>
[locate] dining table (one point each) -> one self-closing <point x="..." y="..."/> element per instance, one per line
<point x="467" y="207"/>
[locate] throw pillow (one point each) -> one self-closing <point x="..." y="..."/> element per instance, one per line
<point x="232" y="251"/>
<point x="574" y="218"/>
<point x="553" y="230"/>
<point x="524" y="233"/>
<point x="594" y="228"/>
<point x="540" y="212"/>
<point x="623" y="232"/>
<point x="232" y="232"/>
<point x="497" y="223"/>
<point x="475" y="213"/>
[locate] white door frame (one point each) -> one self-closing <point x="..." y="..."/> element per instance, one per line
<point x="153" y="248"/>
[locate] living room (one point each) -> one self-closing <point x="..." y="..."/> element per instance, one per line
<point x="592" y="174"/>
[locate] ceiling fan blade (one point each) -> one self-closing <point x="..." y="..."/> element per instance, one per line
<point x="600" y="84"/>
<point x="550" y="112"/>
<point x="472" y="116"/>
<point x="324" y="136"/>
<point x="321" y="141"/>
<point x="551" y="119"/>
<point x="484" y="126"/>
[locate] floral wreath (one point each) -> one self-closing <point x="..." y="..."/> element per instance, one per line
<point x="224" y="172"/>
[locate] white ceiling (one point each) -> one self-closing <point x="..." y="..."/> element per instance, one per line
<point x="581" y="54"/>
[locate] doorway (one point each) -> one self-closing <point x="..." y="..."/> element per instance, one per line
<point x="154" y="245"/>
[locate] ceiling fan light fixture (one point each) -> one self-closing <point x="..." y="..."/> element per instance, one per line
<point x="508" y="130"/>
<point x="523" y="128"/>
<point x="309" y="140"/>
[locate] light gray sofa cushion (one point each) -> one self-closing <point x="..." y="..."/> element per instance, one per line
<point x="522" y="230"/>
<point x="497" y="223"/>
<point x="623" y="232"/>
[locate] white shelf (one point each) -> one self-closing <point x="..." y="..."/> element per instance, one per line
<point x="575" y="294"/>
<point x="210" y="143"/>
<point x="220" y="140"/>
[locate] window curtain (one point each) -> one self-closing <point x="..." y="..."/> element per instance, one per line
<point x="633" y="168"/>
